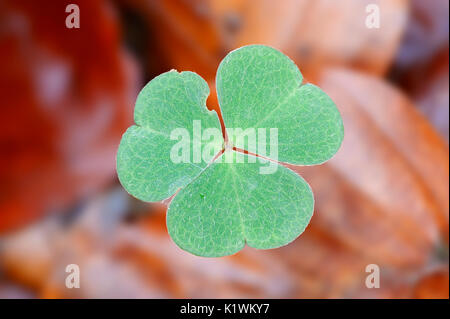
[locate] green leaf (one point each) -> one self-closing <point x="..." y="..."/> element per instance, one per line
<point x="229" y="200"/>
<point x="231" y="204"/>
<point x="170" y="101"/>
<point x="260" y="87"/>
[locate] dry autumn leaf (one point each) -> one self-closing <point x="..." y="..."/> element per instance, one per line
<point x="316" y="34"/>
<point x="386" y="192"/>
<point x="72" y="104"/>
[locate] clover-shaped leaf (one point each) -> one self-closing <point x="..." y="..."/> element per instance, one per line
<point x="234" y="193"/>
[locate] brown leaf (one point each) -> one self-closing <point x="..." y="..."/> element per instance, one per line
<point x="317" y="34"/>
<point x="385" y="193"/>
<point x="70" y="93"/>
<point x="433" y="285"/>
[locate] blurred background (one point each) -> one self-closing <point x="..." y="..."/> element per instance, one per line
<point x="67" y="95"/>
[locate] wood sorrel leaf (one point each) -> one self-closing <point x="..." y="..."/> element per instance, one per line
<point x="169" y="102"/>
<point x="260" y="87"/>
<point x="236" y="198"/>
<point x="231" y="204"/>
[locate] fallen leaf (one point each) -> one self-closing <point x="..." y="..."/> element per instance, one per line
<point x="70" y="91"/>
